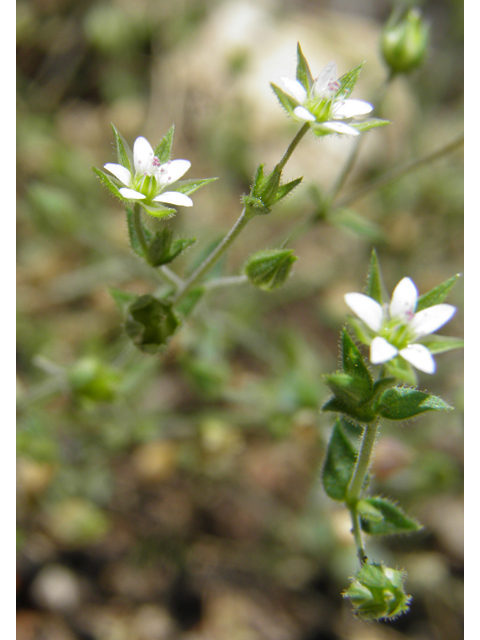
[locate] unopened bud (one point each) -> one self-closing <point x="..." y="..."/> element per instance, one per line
<point x="269" y="269"/>
<point x="404" y="44"/>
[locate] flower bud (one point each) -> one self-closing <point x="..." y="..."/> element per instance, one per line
<point x="91" y="379"/>
<point x="404" y="44"/>
<point x="377" y="592"/>
<point x="269" y="269"/>
<point x="150" y="323"/>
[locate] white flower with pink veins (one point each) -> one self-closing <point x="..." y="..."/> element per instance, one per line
<point x="150" y="178"/>
<point x="397" y="328"/>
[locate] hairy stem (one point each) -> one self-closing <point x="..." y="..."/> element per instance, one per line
<point x="137" y="223"/>
<point x="292" y="146"/>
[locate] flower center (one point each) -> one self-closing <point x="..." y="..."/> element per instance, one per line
<point x="397" y="333"/>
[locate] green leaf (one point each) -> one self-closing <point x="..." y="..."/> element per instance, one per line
<point x="356" y="224"/>
<point x="402" y="403"/>
<point x="268" y="270"/>
<point x="366" y="125"/>
<point x="348" y="81"/>
<point x="437" y="294"/>
<point x="375" y="286"/>
<point x="107" y="182"/>
<point x="284" y="189"/>
<point x="303" y="74"/>
<point x="440" y="344"/>
<point x="189" y="186"/>
<point x="158" y="211"/>
<point x="339" y="464"/>
<point x="380" y="386"/>
<point x="287" y="102"/>
<point x="163" y="150"/>
<point x="351" y="390"/>
<point x="381" y="517"/>
<point x="122" y="298"/>
<point x="360" y="415"/>
<point x="161" y="249"/>
<point x="124" y="153"/>
<point x="352" y="360"/>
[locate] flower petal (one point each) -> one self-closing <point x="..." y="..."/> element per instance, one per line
<point x="340" y="127"/>
<point x="174" y="197"/>
<point x="404" y="300"/>
<point x="351" y="108"/>
<point x="131" y="194"/>
<point x="381" y="351"/>
<point x="295" y="89"/>
<point x="142" y="156"/>
<point x="430" y="319"/>
<point x="304" y="114"/>
<point x="120" y="172"/>
<point x="323" y="84"/>
<point x="366" y="308"/>
<point x="419" y="356"/>
<point x="171" y="171"/>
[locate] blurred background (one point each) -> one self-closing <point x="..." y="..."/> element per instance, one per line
<point x="178" y="496"/>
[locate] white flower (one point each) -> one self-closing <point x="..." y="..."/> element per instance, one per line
<point x="322" y="104"/>
<point x="396" y="328"/>
<point x="150" y="178"/>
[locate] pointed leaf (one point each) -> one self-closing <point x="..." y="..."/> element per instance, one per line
<point x="352" y="360"/>
<point x="163" y="150"/>
<point x="437" y="294"/>
<point x="374" y="287"/>
<point x="380" y="386"/>
<point x="348" y="81"/>
<point x="440" y="344"/>
<point x="189" y="186"/>
<point x="359" y="415"/>
<point x="339" y="464"/>
<point x="392" y="519"/>
<point x="284" y="189"/>
<point x="402" y="403"/>
<point x="124" y="153"/>
<point x="303" y="74"/>
<point x="107" y="182"/>
<point x="366" y="125"/>
<point x="287" y="102"/>
<point x="351" y="390"/>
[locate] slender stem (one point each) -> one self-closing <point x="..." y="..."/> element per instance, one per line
<point x="219" y="250"/>
<point x="171" y="277"/>
<point x="137" y="223"/>
<point x="357" y="483"/>
<point x="292" y="146"/>
<point x="400" y="172"/>
<point x="226" y="282"/>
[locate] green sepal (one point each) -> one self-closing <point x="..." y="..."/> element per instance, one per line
<point x="108" y="182"/>
<point x="287" y="102"/>
<point x="162" y="250"/>
<point x="380" y="386"/>
<point x="189" y="186"/>
<point x="132" y="233"/>
<point x="375" y="288"/>
<point x="254" y="206"/>
<point x="158" y="211"/>
<point x="124" y="153"/>
<point x="436" y="295"/>
<point x="371" y="123"/>
<point x="268" y="270"/>
<point x="163" y="150"/>
<point x="356" y="224"/>
<point x="402" y="403"/>
<point x="360" y="329"/>
<point x="377" y="592"/>
<point x="349" y="389"/>
<point x="381" y="517"/>
<point x="348" y="81"/>
<point x="402" y="370"/>
<point x="284" y="189"/>
<point x="150" y="323"/>
<point x="441" y="344"/>
<point x="122" y="298"/>
<point x="303" y="73"/>
<point x="339" y="464"/>
<point x="352" y="360"/>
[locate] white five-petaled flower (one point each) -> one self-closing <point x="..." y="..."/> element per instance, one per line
<point x="149" y="179"/>
<point x="397" y="328"/>
<point x="322" y="105"/>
